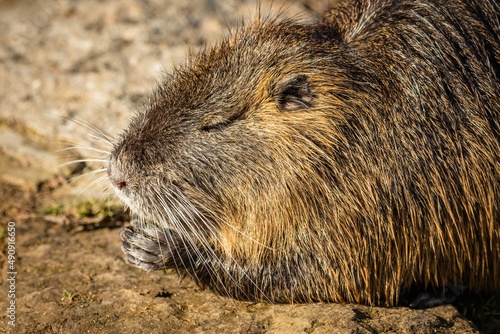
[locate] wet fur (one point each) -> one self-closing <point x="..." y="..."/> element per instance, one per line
<point x="344" y="161"/>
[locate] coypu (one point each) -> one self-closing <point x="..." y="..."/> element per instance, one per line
<point x="347" y="160"/>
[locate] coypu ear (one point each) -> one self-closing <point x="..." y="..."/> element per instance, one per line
<point x="294" y="94"/>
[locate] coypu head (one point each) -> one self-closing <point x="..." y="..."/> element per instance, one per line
<point x="233" y="154"/>
<point x="236" y="140"/>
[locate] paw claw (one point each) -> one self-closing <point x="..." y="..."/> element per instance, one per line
<point x="143" y="250"/>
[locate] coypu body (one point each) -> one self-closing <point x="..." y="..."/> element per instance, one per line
<point x="343" y="161"/>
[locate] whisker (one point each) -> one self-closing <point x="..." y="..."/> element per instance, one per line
<point x="202" y="239"/>
<point x="85" y="148"/>
<point x="72" y="162"/>
<point x="97" y="132"/>
<point x="98" y="181"/>
<point x="173" y="220"/>
<point x="88" y="174"/>
<point x="220" y="220"/>
<point x="214" y="233"/>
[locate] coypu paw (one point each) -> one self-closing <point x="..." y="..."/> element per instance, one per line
<point x="145" y="251"/>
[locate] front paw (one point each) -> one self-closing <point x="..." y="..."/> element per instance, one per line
<point x="145" y="251"/>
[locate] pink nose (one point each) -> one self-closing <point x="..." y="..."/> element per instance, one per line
<point x="120" y="184"/>
<point x="117" y="178"/>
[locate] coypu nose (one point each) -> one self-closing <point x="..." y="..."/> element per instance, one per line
<point x="120" y="184"/>
<point x="116" y="178"/>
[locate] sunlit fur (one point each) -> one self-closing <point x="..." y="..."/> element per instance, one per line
<point x="390" y="178"/>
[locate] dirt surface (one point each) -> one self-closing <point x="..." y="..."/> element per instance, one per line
<point x="62" y="62"/>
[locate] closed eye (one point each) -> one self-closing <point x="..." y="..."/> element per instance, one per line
<point x="215" y="122"/>
<point x="216" y="126"/>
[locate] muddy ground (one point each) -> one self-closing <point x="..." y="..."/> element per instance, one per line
<point x="62" y="62"/>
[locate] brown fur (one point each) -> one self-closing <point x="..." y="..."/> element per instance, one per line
<point x="343" y="161"/>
